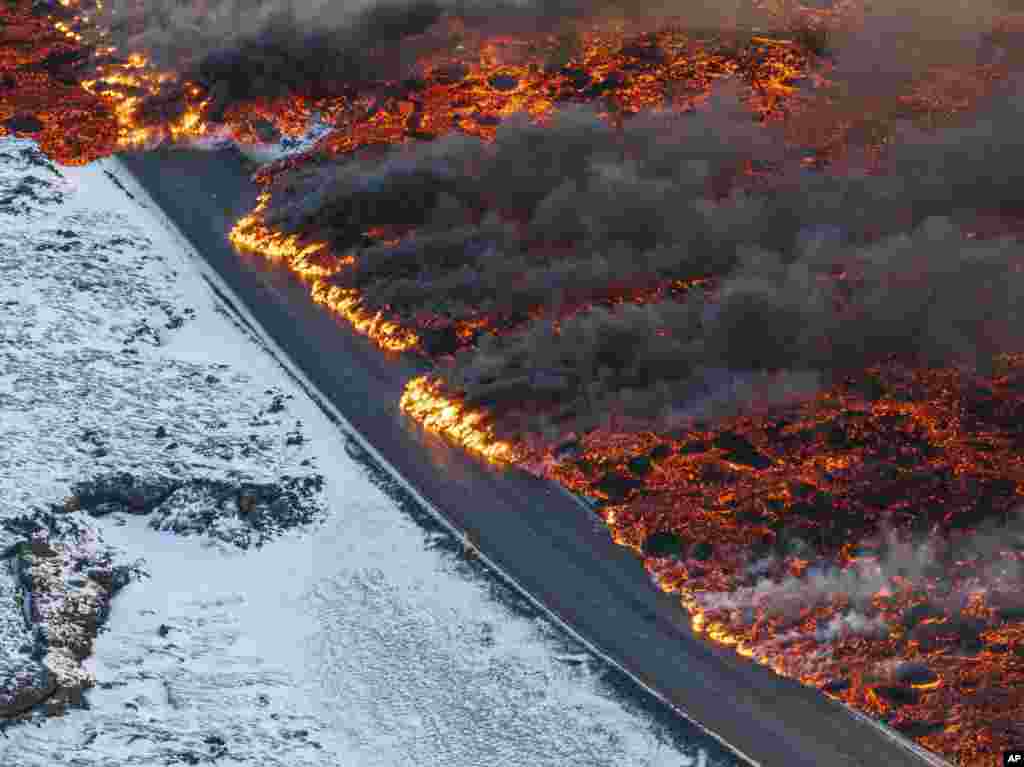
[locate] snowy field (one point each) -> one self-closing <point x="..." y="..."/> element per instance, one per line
<point x="318" y="623"/>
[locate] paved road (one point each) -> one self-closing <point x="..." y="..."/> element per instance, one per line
<point x="551" y="546"/>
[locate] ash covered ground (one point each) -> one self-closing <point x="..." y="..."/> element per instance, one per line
<point x="199" y="567"/>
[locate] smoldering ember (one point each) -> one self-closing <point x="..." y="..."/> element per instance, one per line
<point x="748" y="276"/>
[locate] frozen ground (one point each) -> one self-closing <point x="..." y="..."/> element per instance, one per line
<point x="283" y="621"/>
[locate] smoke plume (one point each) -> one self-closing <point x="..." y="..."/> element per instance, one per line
<point x="550" y="218"/>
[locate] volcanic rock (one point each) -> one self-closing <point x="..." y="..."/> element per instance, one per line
<point x="578" y="78"/>
<point x="816" y="508"/>
<point x="836" y="685"/>
<point x="617" y="486"/>
<point x="123" y="492"/>
<point x="567" y="450"/>
<point x="26" y="695"/>
<point x="202" y="506"/>
<point x="437" y="342"/>
<point x="918" y="613"/>
<point x="913" y="728"/>
<point x="23" y="124"/>
<point x="900" y="696"/>
<point x="913" y="673"/>
<point x="503" y="82"/>
<point x="702" y="551"/>
<point x="1011" y="613"/>
<point x="660" y="452"/>
<point x="696" y="446"/>
<point x="968" y="632"/>
<point x="612" y="82"/>
<point x="751" y="516"/>
<point x="265" y="131"/>
<point x="664" y="543"/>
<point x="450" y="74"/>
<point x="640" y="465"/>
<point x="651" y="54"/>
<point x="740" y="450"/>
<point x="484" y="119"/>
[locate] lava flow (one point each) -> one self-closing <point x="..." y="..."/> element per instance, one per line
<point x="729" y="285"/>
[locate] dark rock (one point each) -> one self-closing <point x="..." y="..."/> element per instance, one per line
<point x="437" y="342"/>
<point x="751" y="517"/>
<point x="640" y="465"/>
<point x="483" y="119"/>
<point x="504" y="82"/>
<point x="617" y="487"/>
<point x="697" y="446"/>
<point x="36" y="549"/>
<point x="161" y="432"/>
<point x="612" y="82"/>
<point x="740" y="450"/>
<point x="663" y="543"/>
<point x="163" y="629"/>
<point x="578" y="78"/>
<point x="918" y="613"/>
<point x="23" y="124"/>
<point x="897" y="695"/>
<point x="913" y="728"/>
<point x="104" y="494"/>
<point x="25" y="698"/>
<point x="650" y="54"/>
<point x="913" y="673"/>
<point x="265" y="131"/>
<point x="567" y="450"/>
<point x="246" y="504"/>
<point x="817" y="508"/>
<point x="836" y="685"/>
<point x="660" y="452"/>
<point x="971" y="645"/>
<point x="1011" y="613"/>
<point x="295" y="438"/>
<point x="702" y="551"/>
<point x="450" y="74"/>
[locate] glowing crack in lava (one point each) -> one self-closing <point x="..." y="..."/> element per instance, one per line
<point x="861" y="536"/>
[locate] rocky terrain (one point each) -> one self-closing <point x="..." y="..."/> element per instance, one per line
<point x="110" y="408"/>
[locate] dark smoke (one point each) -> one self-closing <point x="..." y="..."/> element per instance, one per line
<point x="242" y="49"/>
<point x="552" y="217"/>
<point x="584" y="207"/>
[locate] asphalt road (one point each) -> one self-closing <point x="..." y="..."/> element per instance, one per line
<point x="560" y="553"/>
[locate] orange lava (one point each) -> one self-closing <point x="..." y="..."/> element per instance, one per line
<point x="425" y="401"/>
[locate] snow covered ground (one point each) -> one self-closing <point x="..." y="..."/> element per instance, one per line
<point x="334" y="626"/>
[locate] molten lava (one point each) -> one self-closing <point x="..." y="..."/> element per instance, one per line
<point x="424" y="401"/>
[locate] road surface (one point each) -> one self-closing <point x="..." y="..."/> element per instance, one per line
<point x="549" y="544"/>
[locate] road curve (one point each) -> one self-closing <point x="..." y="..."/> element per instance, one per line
<point x="536" y="533"/>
